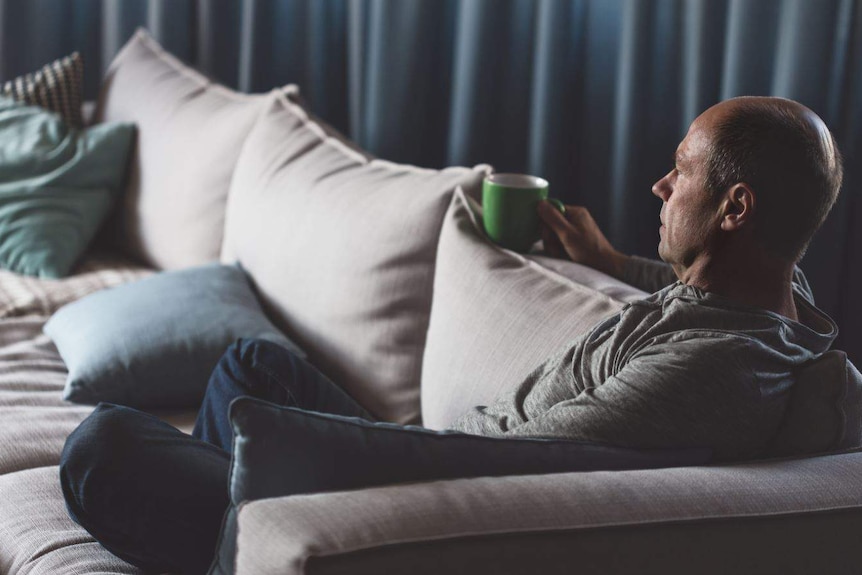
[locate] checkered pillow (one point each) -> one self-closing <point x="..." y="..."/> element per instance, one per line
<point x="56" y="87"/>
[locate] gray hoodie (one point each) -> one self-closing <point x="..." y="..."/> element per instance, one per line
<point x="680" y="368"/>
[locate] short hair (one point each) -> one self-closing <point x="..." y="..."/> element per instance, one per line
<point x="793" y="169"/>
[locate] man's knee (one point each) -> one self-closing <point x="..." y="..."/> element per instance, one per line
<point x="254" y="365"/>
<point x="250" y="353"/>
<point x="92" y="457"/>
<point x="237" y="362"/>
<point x="147" y="492"/>
<point x="269" y="371"/>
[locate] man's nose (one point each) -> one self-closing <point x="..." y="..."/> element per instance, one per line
<point x="662" y="187"/>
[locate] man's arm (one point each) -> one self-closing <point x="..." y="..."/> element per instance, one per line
<point x="575" y="235"/>
<point x="692" y="393"/>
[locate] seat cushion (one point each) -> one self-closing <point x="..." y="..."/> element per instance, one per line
<point x="190" y="132"/>
<point x="497" y="315"/>
<point x="34" y="419"/>
<point x="341" y="248"/>
<point x="37" y="536"/>
<point x="34" y="436"/>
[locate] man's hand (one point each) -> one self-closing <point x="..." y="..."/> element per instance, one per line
<point x="576" y="236"/>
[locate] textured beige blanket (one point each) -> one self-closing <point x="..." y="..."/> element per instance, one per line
<point x="24" y="295"/>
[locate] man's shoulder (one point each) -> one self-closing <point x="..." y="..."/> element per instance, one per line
<point x="695" y="341"/>
<point x="661" y="325"/>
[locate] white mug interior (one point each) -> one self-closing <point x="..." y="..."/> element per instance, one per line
<point x="524" y="181"/>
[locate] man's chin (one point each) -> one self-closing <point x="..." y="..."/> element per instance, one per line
<point x="661" y="254"/>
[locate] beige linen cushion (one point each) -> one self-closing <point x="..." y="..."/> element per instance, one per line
<point x="342" y="249"/>
<point x="496" y="316"/>
<point x="590" y="278"/>
<point x="190" y="132"/>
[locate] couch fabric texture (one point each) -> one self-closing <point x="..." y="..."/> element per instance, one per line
<point x="38" y="537"/>
<point x="594" y="520"/>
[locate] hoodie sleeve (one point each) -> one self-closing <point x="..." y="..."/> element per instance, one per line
<point x="696" y="393"/>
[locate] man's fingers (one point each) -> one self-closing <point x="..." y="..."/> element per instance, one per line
<point x="551" y="242"/>
<point x="552" y="216"/>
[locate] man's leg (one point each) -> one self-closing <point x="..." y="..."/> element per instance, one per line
<point x="265" y="370"/>
<point x="147" y="492"/>
<point x="155" y="496"/>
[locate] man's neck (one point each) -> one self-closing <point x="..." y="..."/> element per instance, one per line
<point x="754" y="281"/>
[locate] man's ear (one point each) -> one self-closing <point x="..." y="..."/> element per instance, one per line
<point x="737" y="208"/>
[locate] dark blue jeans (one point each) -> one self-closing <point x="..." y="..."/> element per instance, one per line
<point x="155" y="496"/>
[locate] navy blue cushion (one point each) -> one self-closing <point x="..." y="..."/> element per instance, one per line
<point x="323" y="452"/>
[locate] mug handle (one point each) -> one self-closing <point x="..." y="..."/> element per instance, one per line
<point x="558" y="204"/>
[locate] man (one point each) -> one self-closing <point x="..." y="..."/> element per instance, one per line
<point x="708" y="360"/>
<point x="705" y="362"/>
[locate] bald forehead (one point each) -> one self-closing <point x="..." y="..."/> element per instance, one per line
<point x="770" y="104"/>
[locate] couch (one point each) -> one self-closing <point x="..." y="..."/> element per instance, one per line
<point x="382" y="274"/>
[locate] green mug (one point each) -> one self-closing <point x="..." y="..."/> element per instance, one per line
<point x="509" y="204"/>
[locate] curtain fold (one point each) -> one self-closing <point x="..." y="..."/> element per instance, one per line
<point x="593" y="95"/>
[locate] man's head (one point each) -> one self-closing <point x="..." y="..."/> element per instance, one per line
<point x="765" y="168"/>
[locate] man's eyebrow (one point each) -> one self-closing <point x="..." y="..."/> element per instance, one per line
<point x="678" y="157"/>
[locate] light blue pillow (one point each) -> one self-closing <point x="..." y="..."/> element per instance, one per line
<point x="57" y="184"/>
<point x="153" y="343"/>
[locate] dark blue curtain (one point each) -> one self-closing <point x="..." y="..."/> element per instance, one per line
<point x="592" y="94"/>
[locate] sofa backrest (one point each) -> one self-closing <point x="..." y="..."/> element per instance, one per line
<point x="341" y="249"/>
<point x="189" y="135"/>
<point x="823" y="412"/>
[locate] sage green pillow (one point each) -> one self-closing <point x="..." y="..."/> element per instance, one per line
<point x="57" y="184"/>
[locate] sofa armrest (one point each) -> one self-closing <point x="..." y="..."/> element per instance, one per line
<point x="794" y="516"/>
